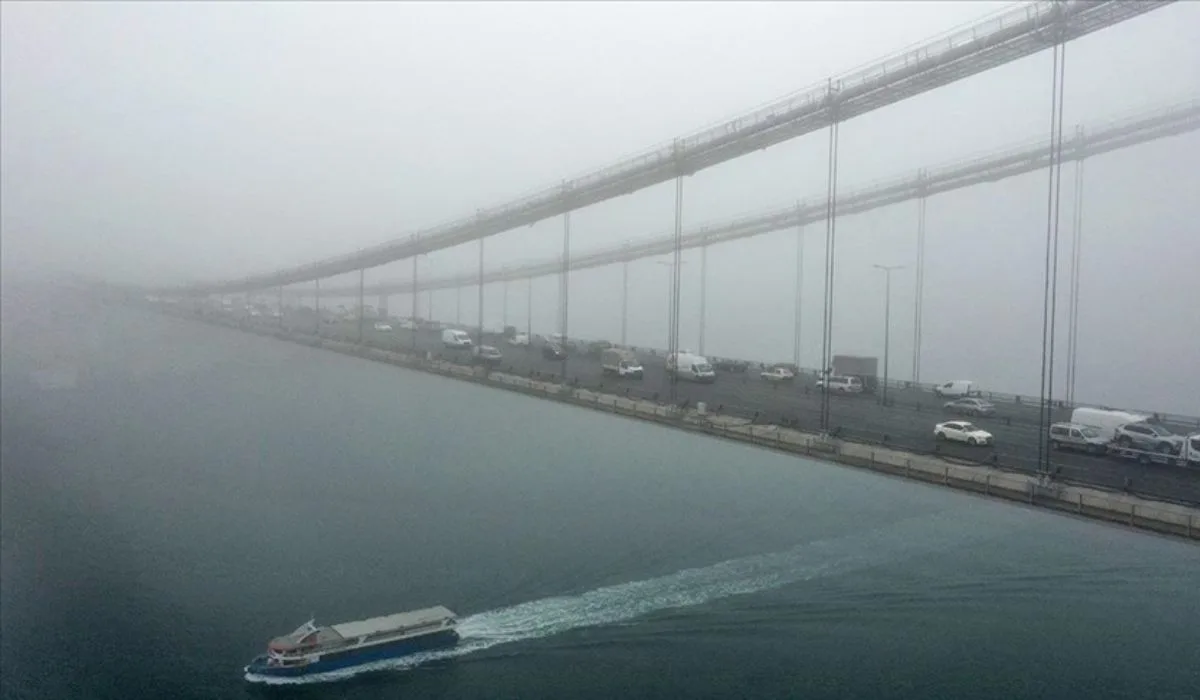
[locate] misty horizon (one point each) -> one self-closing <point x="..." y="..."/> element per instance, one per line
<point x="237" y="149"/>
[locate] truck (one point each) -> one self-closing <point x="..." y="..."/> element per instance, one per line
<point x="1105" y="420"/>
<point x="1171" y="450"/>
<point x="621" y="362"/>
<point x="865" y="368"/>
<point x="1187" y="455"/>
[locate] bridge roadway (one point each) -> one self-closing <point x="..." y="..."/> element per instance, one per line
<point x="906" y="423"/>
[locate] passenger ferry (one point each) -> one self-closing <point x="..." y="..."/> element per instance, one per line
<point x="310" y="649"/>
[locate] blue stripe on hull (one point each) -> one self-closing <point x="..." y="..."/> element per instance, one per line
<point x="337" y="660"/>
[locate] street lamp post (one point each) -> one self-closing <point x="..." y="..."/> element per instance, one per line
<point x="624" y="300"/>
<point x="416" y="299"/>
<point x="317" y="303"/>
<point x="504" y="303"/>
<point x="703" y="292"/>
<point x="362" y="276"/>
<point x="479" y="340"/>
<point x="887" y="318"/>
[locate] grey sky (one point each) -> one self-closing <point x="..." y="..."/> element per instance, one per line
<point x="171" y="141"/>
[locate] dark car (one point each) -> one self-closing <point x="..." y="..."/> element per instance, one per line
<point x="553" y="351"/>
<point x="970" y="407"/>
<point x="727" y="365"/>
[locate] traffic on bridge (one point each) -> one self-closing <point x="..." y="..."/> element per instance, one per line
<point x="1019" y="435"/>
<point x="906" y="416"/>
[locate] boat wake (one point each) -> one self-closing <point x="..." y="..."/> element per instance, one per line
<point x="689" y="587"/>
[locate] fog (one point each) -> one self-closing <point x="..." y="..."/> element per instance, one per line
<point x="161" y="143"/>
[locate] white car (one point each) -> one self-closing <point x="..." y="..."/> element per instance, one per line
<point x="487" y="354"/>
<point x="408" y="325"/>
<point x="962" y="431"/>
<point x="381" y="326"/>
<point x="778" y="374"/>
<point x="519" y="340"/>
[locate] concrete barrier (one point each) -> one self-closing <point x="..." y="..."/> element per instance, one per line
<point x="1120" y="508"/>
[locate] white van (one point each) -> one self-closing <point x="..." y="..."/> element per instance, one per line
<point x="958" y="388"/>
<point x="841" y="385"/>
<point x="691" y="367"/>
<point x="1104" y="420"/>
<point x="456" y="339"/>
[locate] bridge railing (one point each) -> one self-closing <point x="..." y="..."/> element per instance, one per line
<point x="1181" y="421"/>
<point x="1027" y="155"/>
<point x="771" y="112"/>
<point x="1024" y="20"/>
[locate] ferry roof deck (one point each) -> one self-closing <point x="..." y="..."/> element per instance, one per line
<point x="374" y="625"/>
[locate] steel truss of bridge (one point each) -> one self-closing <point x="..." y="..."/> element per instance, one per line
<point x="1017" y="160"/>
<point x="1004" y="37"/>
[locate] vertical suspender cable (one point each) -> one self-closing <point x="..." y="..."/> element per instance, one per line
<point x="1042" y="418"/>
<point x="1058" y="161"/>
<point x="919" y="297"/>
<point x="830" y="231"/>
<point x="676" y="265"/>
<point x="1076" y="244"/>
<point x="1050" y="282"/>
<point x="564" y="289"/>
<point x="799" y="302"/>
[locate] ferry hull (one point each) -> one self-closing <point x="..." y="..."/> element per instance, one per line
<point x="348" y="658"/>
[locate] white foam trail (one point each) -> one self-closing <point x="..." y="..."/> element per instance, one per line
<point x="625" y="601"/>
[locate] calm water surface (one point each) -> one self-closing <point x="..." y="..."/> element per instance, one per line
<point x="174" y="495"/>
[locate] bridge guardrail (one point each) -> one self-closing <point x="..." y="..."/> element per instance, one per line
<point x="1180" y="420"/>
<point x="1030" y="155"/>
